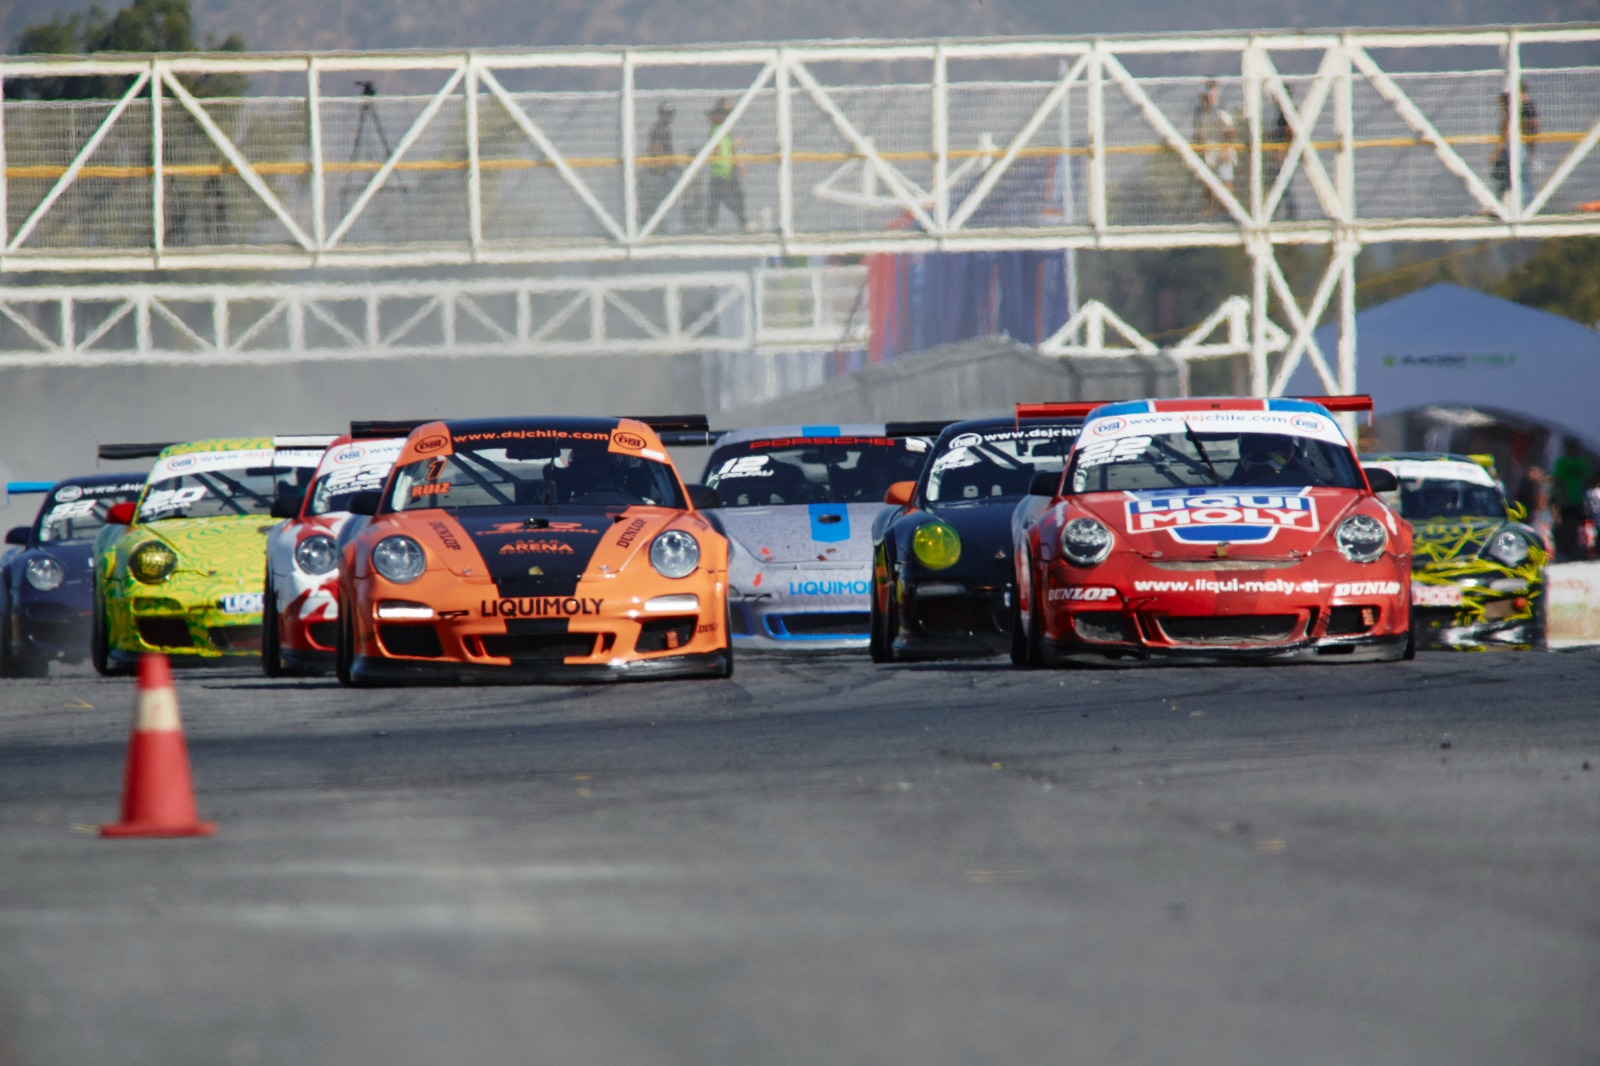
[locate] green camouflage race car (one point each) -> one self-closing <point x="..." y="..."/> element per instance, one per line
<point x="1478" y="573"/>
<point x="179" y="571"/>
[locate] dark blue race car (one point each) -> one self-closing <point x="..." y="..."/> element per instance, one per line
<point x="47" y="585"/>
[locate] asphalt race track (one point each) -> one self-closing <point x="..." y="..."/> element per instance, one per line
<point x="822" y="861"/>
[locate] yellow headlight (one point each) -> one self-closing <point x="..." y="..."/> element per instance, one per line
<point x="936" y="545"/>
<point x="152" y="562"/>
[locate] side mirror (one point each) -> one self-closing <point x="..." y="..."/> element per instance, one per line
<point x="1045" y="483"/>
<point x="703" y="497"/>
<point x="120" y="514"/>
<point x="287" y="506"/>
<point x="17" y="535"/>
<point x="1380" y="479"/>
<point x="365" y="503"/>
<point x="900" y="493"/>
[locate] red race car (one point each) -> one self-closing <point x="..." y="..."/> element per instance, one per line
<point x="1211" y="529"/>
<point x="300" y="619"/>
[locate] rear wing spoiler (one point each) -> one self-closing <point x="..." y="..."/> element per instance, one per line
<point x="1067" y="409"/>
<point x="153" y="449"/>
<point x="1081" y="408"/>
<point x="917" y="429"/>
<point x="20" y="488"/>
<point x="134" y="451"/>
<point x="379" y="428"/>
<point x="689" y="431"/>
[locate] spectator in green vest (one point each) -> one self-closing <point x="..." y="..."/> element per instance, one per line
<point x="725" y="184"/>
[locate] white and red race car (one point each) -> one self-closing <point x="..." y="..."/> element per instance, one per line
<point x="300" y="623"/>
<point x="1212" y="529"/>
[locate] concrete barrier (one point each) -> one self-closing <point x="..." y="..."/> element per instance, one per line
<point x="1573" y="607"/>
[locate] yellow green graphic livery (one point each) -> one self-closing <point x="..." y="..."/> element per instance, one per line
<point x="1478" y="574"/>
<point x="184" y="576"/>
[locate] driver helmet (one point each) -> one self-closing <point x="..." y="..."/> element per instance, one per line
<point x="1264" y="451"/>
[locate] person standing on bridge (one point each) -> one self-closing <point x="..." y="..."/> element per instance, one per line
<point x="661" y="168"/>
<point x="1214" y="141"/>
<point x="1500" y="160"/>
<point x="725" y="184"/>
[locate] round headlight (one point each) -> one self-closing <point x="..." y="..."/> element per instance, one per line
<point x="1361" y="539"/>
<point x="1085" y="542"/>
<point x="44" y="573"/>
<point x="399" y="559"/>
<point x="936" y="545"/>
<point x="317" y="554"/>
<point x="1508" y="548"/>
<point x="674" y="554"/>
<point x="152" y="562"/>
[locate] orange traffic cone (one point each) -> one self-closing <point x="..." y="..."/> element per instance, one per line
<point x="157" y="797"/>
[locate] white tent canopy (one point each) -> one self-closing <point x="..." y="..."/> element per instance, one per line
<point x="1445" y="345"/>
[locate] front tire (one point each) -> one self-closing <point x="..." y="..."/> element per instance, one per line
<point x="884" y="623"/>
<point x="12" y="664"/>
<point x="100" y="642"/>
<point x="271" y="642"/>
<point x="344" y="648"/>
<point x="727" y="633"/>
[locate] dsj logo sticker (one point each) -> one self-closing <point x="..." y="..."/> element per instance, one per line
<point x="631" y="441"/>
<point x="430" y="444"/>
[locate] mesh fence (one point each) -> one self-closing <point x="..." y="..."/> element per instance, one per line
<point x="553" y="168"/>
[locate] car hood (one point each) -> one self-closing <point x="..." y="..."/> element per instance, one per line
<point x="224" y="544"/>
<point x="1193" y="523"/>
<point x="543" y="555"/>
<point x="801" y="534"/>
<point x="1436" y="540"/>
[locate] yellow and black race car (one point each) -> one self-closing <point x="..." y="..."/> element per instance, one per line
<point x="1478" y="573"/>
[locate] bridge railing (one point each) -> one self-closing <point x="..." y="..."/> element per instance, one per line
<point x="499" y="156"/>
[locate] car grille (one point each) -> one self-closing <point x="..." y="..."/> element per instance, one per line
<point x="537" y="649"/>
<point x="323" y="634"/>
<point x="1348" y="621"/>
<point x="164" y="632"/>
<point x="1103" y="626"/>
<point x="235" y="638"/>
<point x="959" y="616"/>
<point x="1228" y="629"/>
<point x="820" y="624"/>
<point x="415" y="641"/>
<point x="665" y="634"/>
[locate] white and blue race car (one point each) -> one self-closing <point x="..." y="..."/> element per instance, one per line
<point x="797" y="504"/>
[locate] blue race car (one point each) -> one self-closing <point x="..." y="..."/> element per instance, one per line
<point x="47" y="585"/>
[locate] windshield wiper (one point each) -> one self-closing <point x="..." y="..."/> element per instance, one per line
<point x="1194" y="438"/>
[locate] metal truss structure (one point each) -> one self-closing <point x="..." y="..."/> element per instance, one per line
<point x="1336" y="139"/>
<point x="794" y="309"/>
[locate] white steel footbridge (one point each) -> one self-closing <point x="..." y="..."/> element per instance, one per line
<point x="467" y="161"/>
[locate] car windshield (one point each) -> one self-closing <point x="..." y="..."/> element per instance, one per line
<point x="763" y="473"/>
<point x="334" y="490"/>
<point x="210" y="493"/>
<point x="539" y="472"/>
<point x="1195" y="459"/>
<point x="1437" y="497"/>
<point x="996" y="464"/>
<point x="80" y="516"/>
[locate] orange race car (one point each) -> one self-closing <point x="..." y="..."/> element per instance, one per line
<point x="534" y="549"/>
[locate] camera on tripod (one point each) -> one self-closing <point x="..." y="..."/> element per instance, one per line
<point x="367" y="88"/>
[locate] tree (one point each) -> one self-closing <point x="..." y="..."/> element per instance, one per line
<point x="1563" y="276"/>
<point x="142" y="26"/>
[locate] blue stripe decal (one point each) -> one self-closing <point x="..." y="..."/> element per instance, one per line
<point x="819" y="431"/>
<point x="830" y="522"/>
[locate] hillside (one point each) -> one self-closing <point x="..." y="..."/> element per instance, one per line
<point x="288" y="25"/>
